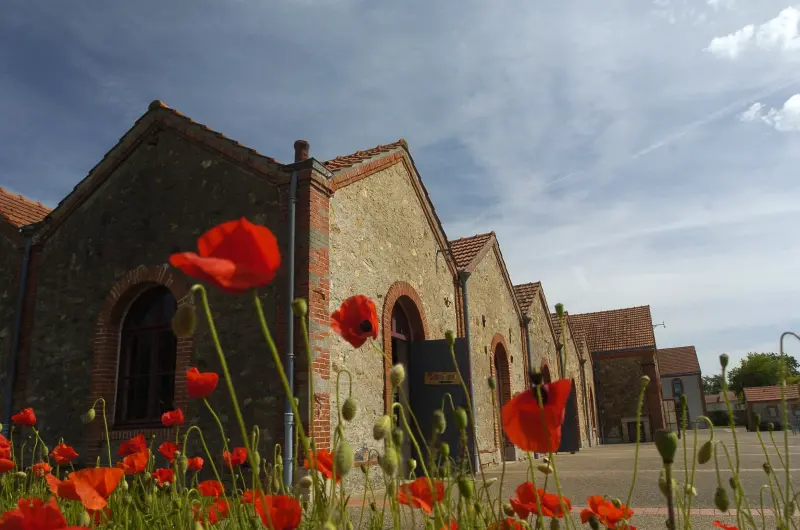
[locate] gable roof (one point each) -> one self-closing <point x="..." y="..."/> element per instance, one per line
<point x="678" y="361"/>
<point x="19" y="210"/>
<point x="617" y="329"/>
<point x="468" y="251"/>
<point x="770" y="393"/>
<point x="526" y="294"/>
<point x="719" y="398"/>
<point x="347" y="161"/>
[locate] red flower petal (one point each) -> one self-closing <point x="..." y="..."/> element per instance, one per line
<point x="356" y="320"/>
<point x="532" y="428"/>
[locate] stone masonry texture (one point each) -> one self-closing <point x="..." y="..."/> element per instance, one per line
<point x="157" y="201"/>
<point x="572" y="371"/>
<point x="617" y="397"/>
<point x="10" y="267"/>
<point x="543" y="345"/>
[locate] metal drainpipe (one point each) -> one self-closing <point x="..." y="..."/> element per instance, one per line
<point x="597" y="400"/>
<point x="586" y="418"/>
<point x="288" y="415"/>
<point x="15" y="340"/>
<point x="526" y="321"/>
<point x="464" y="276"/>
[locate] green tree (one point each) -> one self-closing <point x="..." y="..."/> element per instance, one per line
<point x="761" y="369"/>
<point x="712" y="384"/>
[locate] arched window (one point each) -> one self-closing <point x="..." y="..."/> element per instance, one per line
<point x="677" y="387"/>
<point x="146" y="379"/>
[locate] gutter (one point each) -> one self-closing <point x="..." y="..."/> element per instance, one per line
<point x="463" y="276"/>
<point x="526" y="320"/>
<point x="288" y="414"/>
<point x="17" y="333"/>
<point x="586" y="411"/>
<point x="597" y="400"/>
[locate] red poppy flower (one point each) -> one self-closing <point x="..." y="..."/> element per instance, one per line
<point x="322" y="463"/>
<point x="194" y="463"/>
<point x="200" y="385"/>
<point x="211" y="488"/>
<point x="25" y="417"/>
<point x="135" y="463"/>
<point x="172" y="418"/>
<point x="6" y="465"/>
<point x="234" y="256"/>
<point x="284" y="512"/>
<point x="41" y="469"/>
<point x="217" y="511"/>
<point x="356" y="320"/>
<point x="724" y="526"/>
<point x="63" y="454"/>
<point x="91" y="486"/>
<point x="533" y="428"/>
<point x="136" y="444"/>
<point x="529" y="500"/>
<point x="605" y="512"/>
<point x="168" y="449"/>
<point x="5" y="448"/>
<point x="419" y="495"/>
<point x="34" y="514"/>
<point x="235" y="458"/>
<point x="164" y="475"/>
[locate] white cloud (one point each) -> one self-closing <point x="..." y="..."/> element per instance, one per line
<point x="780" y="34"/>
<point x="784" y="119"/>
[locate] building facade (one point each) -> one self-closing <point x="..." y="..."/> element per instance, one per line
<point x="681" y="375"/>
<point x="766" y="402"/>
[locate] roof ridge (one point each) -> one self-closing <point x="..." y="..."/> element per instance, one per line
<point x="647" y="306"/>
<point x="474" y="236"/>
<point x="23" y="198"/>
<point x="362" y="155"/>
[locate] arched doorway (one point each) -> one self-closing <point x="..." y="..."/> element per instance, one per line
<point x="502" y="374"/>
<point x="545" y="373"/>
<point x="570" y="430"/>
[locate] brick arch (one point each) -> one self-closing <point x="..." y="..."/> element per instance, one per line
<point x="403" y="293"/>
<point x="107" y="341"/>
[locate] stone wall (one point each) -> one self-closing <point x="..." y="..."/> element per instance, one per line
<point x="157" y="201"/>
<point x="572" y="370"/>
<point x="617" y="397"/>
<point x="10" y="267"/>
<point x="493" y="318"/>
<point x="543" y="345"/>
<point x="380" y="238"/>
<point x="589" y="415"/>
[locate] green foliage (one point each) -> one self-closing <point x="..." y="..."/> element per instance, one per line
<point x="712" y="384"/>
<point x="760" y="369"/>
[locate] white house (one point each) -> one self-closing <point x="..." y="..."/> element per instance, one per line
<point x="680" y="375"/>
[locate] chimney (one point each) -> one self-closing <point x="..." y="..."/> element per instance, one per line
<point x="300" y="150"/>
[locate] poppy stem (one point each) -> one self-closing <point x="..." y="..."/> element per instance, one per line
<point x="105" y="426"/>
<point x="645" y="382"/>
<point x="498" y="422"/>
<point x="224" y="439"/>
<point x="670" y="501"/>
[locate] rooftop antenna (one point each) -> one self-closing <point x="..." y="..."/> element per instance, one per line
<point x="662" y="324"/>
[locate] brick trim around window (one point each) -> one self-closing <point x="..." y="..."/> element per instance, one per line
<point x="106" y="344"/>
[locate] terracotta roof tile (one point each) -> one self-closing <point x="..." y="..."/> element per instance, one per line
<point x="676" y="361"/>
<point x="466" y="249"/>
<point x="343" y="162"/>
<point x="20" y="210"/>
<point x="556" y="325"/>
<point x="616" y="329"/>
<point x="770" y="393"/>
<point x="526" y="294"/>
<point x="718" y="398"/>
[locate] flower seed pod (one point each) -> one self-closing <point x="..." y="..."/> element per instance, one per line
<point x="460" y="419"/>
<point x="490" y="482"/>
<point x="397" y="375"/>
<point x="184" y="321"/>
<point x="343" y="458"/>
<point x="439" y="421"/>
<point x="667" y="444"/>
<point x="560" y="310"/>
<point x="508" y="509"/>
<point x="594" y="522"/>
<point x="305" y="482"/>
<point x="767" y="468"/>
<point x="721" y="500"/>
<point x="645" y="380"/>
<point x="444" y="449"/>
<point x="88" y="416"/>
<point x="770" y="426"/>
<point x="732" y="482"/>
<point x="349" y="409"/>
<point x="373" y="506"/>
<point x="123" y="484"/>
<point x="706" y="452"/>
<point x="450" y="336"/>
<point x="555" y="525"/>
<point x="492" y="384"/>
<point x="723" y="360"/>
<point x="465" y="487"/>
<point x="412" y="464"/>
<point x="616" y="502"/>
<point x="389" y="462"/>
<point x="183" y="463"/>
<point x="544" y="468"/>
<point x="382" y="427"/>
<point x="398" y="436"/>
<point x="300" y="307"/>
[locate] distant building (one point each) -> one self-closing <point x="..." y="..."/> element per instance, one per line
<point x="680" y="375"/>
<point x="766" y="401"/>
<point x="715" y="406"/>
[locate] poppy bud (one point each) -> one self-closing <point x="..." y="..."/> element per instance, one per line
<point x="683" y="401"/>
<point x="560" y="310"/>
<point x="444" y="449"/>
<point x="616" y="502"/>
<point x="198" y="525"/>
<point x="450" y="336"/>
<point x="276" y="484"/>
<point x="300" y="307"/>
<point x="767" y="468"/>
<point x="148" y="499"/>
<point x="363" y="469"/>
<point x="732" y="482"/>
<point x="491" y="382"/>
<point x="723" y="360"/>
<point x="594" y="522"/>
<point x="544" y="468"/>
<point x="491" y="481"/>
<point x="305" y="482"/>
<point x="706" y="452"/>
<point x="721" y="499"/>
<point x="667" y="444"/>
<point x="382" y="427"/>
<point x="645" y="380"/>
<point x="349" y="525"/>
<point x="184" y="321"/>
<point x="412" y="464"/>
<point x="770" y="426"/>
<point x="373" y="506"/>
<point x="349" y="409"/>
<point x="85" y="519"/>
<point x="460" y="419"/>
<point x="329" y="526"/>
<point x="662" y="483"/>
<point x="397" y="375"/>
<point x="439" y="421"/>
<point x="554" y="524"/>
<point x="478" y="509"/>
<point x="465" y="487"/>
<point x="691" y="491"/>
<point x="398" y="436"/>
<point x="508" y="509"/>
<point x="389" y="462"/>
<point x="183" y="463"/>
<point x="88" y="416"/>
<point x="343" y="458"/>
<point x="20" y="474"/>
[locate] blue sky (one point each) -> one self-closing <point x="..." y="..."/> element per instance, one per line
<point x="625" y="152"/>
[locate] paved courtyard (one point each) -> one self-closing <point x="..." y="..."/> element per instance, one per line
<point x="608" y="469"/>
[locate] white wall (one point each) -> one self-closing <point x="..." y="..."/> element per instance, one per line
<point x="692" y="389"/>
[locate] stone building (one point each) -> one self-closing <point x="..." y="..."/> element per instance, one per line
<point x="94" y="317"/>
<point x="681" y="375"/>
<point x="623" y="349"/>
<point x="766" y="402"/>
